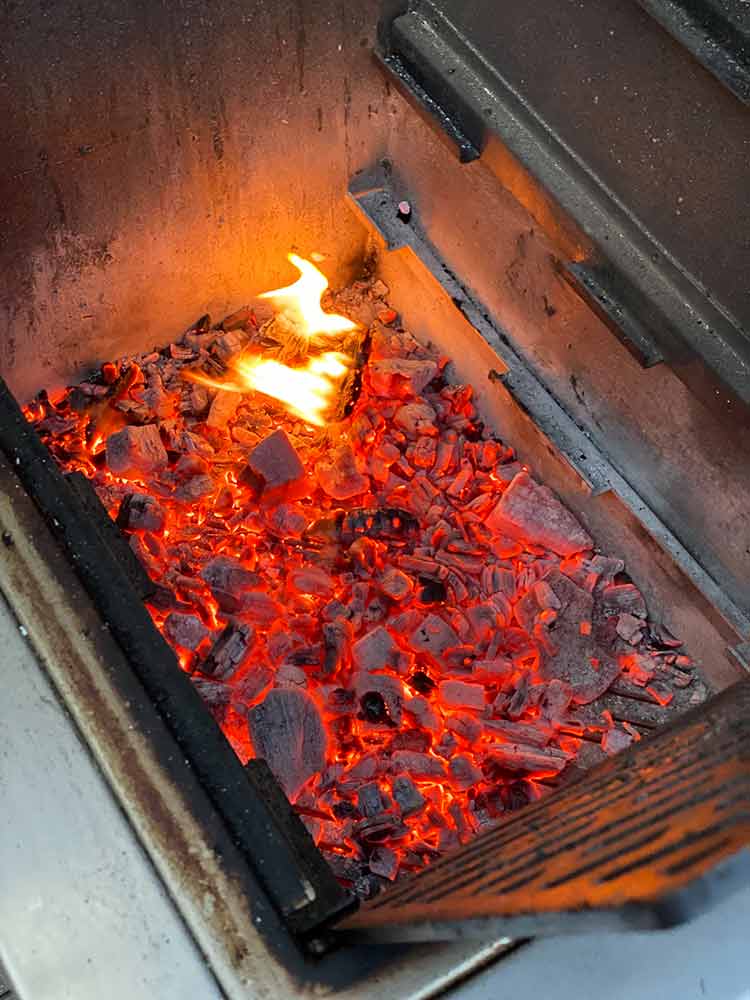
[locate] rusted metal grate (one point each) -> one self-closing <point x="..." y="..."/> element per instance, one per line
<point x="626" y="841"/>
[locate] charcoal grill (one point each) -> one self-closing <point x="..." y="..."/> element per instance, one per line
<point x="576" y="241"/>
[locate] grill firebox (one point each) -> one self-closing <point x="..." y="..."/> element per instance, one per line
<point x="614" y="427"/>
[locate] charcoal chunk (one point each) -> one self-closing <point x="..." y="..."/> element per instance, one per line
<point x="215" y="694"/>
<point x="433" y="636"/>
<point x="187" y="631"/>
<point x="228" y="579"/>
<point x="228" y="652"/>
<point x="369" y="800"/>
<point x="277" y="465"/>
<point x="135" y="451"/>
<point x="287" y="732"/>
<point x="407" y="795"/>
<point x="384" y="862"/>
<point x="532" y="513"/>
<point x="377" y="650"/>
<point x="141" y="512"/>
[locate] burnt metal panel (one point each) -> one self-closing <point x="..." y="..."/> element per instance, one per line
<point x="620" y="847"/>
<point x="717" y="32"/>
<point x="644" y="159"/>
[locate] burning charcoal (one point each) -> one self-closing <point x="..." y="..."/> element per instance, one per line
<point x="532" y="513"/>
<point x="373" y="522"/>
<point x="223" y="408"/>
<point x="373" y="707"/>
<point x="251" y="685"/>
<point x="433" y="636"/>
<point x="369" y="800"/>
<point x="527" y="759"/>
<point x="392" y="377"/>
<point x="342" y="702"/>
<point x="499" y="669"/>
<point x="388" y="689"/>
<point x="579" y="662"/>
<point x="287" y="732"/>
<point x="384" y="862"/>
<point x="194" y="488"/>
<point x="342" y="867"/>
<point x="630" y="628"/>
<point x="198" y="400"/>
<point x="135" y="451"/>
<point x="415" y="419"/>
<point x="259" y="608"/>
<point x="141" y="512"/>
<point x="457" y="694"/>
<point x="228" y="652"/>
<point x="421" y="682"/>
<point x="228" y="579"/>
<point x="424" y="453"/>
<point x="432" y="591"/>
<point x="446" y="745"/>
<point x="310" y="580"/>
<point x="276" y="465"/>
<point x="229" y="344"/>
<point x="410" y="800"/>
<point x="375" y="829"/>
<point x="378" y="650"/>
<point x="520" y="700"/>
<point x="338" y="474"/>
<point x="290" y="676"/>
<point x="286" y="520"/>
<point x="418" y="740"/>
<point x="417" y="765"/>
<point x="464" y="772"/>
<point x="615" y="740"/>
<point x="187" y="631"/>
<point x="336" y="639"/>
<point x="396" y="584"/>
<point x="625" y="597"/>
<point x="466" y="726"/>
<point x="534" y="733"/>
<point x="424" y="713"/>
<point x="215" y="694"/>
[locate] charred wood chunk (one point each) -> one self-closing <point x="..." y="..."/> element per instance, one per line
<point x="577" y="661"/>
<point x="135" y="451"/>
<point x="521" y="758"/>
<point x="336" y="636"/>
<point x="409" y="798"/>
<point x="393" y="377"/>
<point x="247" y="690"/>
<point x="287" y="732"/>
<point x="384" y="862"/>
<point x="433" y="636"/>
<point x="339" y="476"/>
<point x="418" y="740"/>
<point x="624" y="597"/>
<point x="387" y="523"/>
<point x="216" y="695"/>
<point x="464" y="772"/>
<point x="187" y="631"/>
<point x="228" y="652"/>
<point x="378" y="650"/>
<point x="223" y="408"/>
<point x="464" y="725"/>
<point x="532" y="513"/>
<point x="375" y="829"/>
<point x="424" y="713"/>
<point x="228" y="581"/>
<point x="417" y="765"/>
<point x="141" y="512"/>
<point x="277" y="466"/>
<point x="377" y="688"/>
<point x="369" y="800"/>
<point x="459" y="694"/>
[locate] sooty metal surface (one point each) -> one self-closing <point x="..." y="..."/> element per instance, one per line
<point x="642" y="158"/>
<point x="618" y="848"/>
<point x="717" y="32"/>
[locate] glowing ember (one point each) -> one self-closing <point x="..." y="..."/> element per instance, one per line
<point x="300" y="302"/>
<point x="407" y="626"/>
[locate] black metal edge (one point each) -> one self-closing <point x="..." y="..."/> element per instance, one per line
<point x="410" y="88"/>
<point x="597" y="286"/>
<point x="703" y="345"/>
<point x="91" y="507"/>
<point x="712" y="38"/>
<point x="249" y="819"/>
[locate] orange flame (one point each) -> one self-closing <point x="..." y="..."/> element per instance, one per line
<point x="300" y="302"/>
<point x="307" y="391"/>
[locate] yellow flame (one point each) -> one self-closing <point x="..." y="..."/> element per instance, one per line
<point x="300" y="302"/>
<point x="307" y="391"/>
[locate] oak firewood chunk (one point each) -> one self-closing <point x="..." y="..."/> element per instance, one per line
<point x="287" y="732"/>
<point x="275" y="462"/>
<point x="531" y="512"/>
<point x="135" y="451"/>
